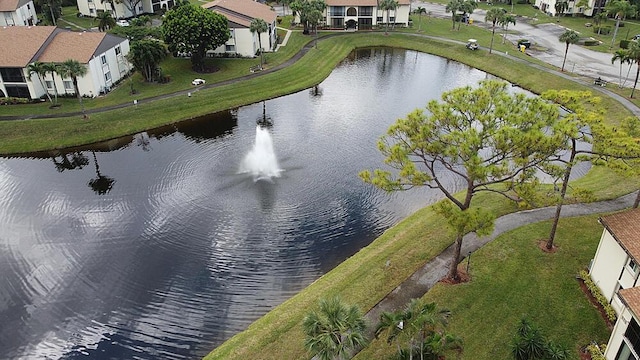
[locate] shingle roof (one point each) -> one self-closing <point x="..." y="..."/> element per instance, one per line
<point x="79" y="46"/>
<point x="631" y="297"/>
<point x="242" y="11"/>
<point x="625" y="228"/>
<point x="20" y="44"/>
<point x="9" y="5"/>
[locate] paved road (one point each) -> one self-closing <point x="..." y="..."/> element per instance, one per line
<point x="580" y="60"/>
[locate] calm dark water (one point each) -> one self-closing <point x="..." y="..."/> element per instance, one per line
<point x="154" y="247"/>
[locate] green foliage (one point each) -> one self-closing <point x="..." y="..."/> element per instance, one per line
<point x="597" y="351"/>
<point x="194" y="30"/>
<point x="602" y="30"/>
<point x="105" y="21"/>
<point x="624" y="44"/>
<point x="334" y="329"/>
<point x="530" y="344"/>
<point x="419" y="330"/>
<point x="146" y="55"/>
<point x="597" y="294"/>
<point x="143" y="20"/>
<point x="303" y="8"/>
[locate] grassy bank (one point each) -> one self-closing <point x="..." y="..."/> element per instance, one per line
<point x="512" y="278"/>
<point x="33" y="135"/>
<point x="364" y="279"/>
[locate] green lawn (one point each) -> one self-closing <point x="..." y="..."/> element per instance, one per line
<point x="512" y="278"/>
<point x="364" y="279"/>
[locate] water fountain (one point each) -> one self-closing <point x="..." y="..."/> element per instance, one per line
<point x="261" y="161"/>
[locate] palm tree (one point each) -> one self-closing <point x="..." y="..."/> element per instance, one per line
<point x="73" y="69"/>
<point x="633" y="55"/>
<point x="420" y="10"/>
<point x="598" y="19"/>
<point x="39" y="69"/>
<point x="53" y="69"/>
<point x="467" y="7"/>
<point x="387" y="5"/>
<point x="619" y="9"/>
<point x="494" y="16"/>
<point x="334" y="330"/>
<point x="504" y="21"/>
<point x="105" y="21"/>
<point x="561" y="7"/>
<point x="259" y="26"/>
<point x="314" y="18"/>
<point x="622" y="56"/>
<point x="568" y="37"/>
<point x="453" y="6"/>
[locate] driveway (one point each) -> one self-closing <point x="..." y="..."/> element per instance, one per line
<point x="547" y="47"/>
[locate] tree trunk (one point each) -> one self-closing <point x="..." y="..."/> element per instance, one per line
<point x="563" y="193"/>
<point x="260" y="45"/>
<point x="636" y="82"/>
<point x="493" y="32"/>
<point x="566" y="50"/>
<point x="615" y="31"/>
<point x="637" y="202"/>
<point x="453" y="266"/>
<point x="75" y="85"/>
<point x="53" y="16"/>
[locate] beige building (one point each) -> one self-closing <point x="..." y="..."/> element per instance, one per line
<point x="122" y="9"/>
<point x="615" y="270"/>
<point x="102" y="54"/>
<point x="593" y="7"/>
<point x="240" y="13"/>
<point x="17" y="13"/>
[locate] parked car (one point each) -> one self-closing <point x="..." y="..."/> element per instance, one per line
<point x="198" y="82"/>
<point x="122" y="22"/>
<point x="636" y="37"/>
<point x="525" y="42"/>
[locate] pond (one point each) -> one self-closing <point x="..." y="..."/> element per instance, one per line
<point x="155" y="246"/>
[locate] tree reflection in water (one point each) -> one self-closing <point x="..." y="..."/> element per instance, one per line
<point x="101" y="184"/>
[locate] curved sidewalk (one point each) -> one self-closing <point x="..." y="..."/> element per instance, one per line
<point x="436" y="269"/>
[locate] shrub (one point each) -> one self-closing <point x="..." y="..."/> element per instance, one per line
<point x="591" y="43"/>
<point x="624" y="44"/>
<point x="597" y="352"/>
<point x="602" y="30"/>
<point x="595" y="291"/>
<point x="529" y="344"/>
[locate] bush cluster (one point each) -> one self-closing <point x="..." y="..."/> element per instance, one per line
<point x="597" y="351"/>
<point x="595" y="291"/>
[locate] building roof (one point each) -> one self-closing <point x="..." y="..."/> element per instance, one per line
<point x="360" y="2"/>
<point x="23" y="45"/>
<point x="12" y="5"/>
<point x="20" y="44"/>
<point x="631" y="297"/>
<point x="242" y="11"/>
<point x="80" y="46"/>
<point x="625" y="228"/>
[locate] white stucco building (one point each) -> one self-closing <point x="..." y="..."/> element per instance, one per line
<point x="102" y="54"/>
<point x="594" y="7"/>
<point x="17" y="13"/>
<point x="364" y="14"/>
<point x="615" y="270"/>
<point x="122" y="9"/>
<point x="239" y="14"/>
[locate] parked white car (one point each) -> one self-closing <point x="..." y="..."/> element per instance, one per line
<point x="122" y="22"/>
<point x="198" y="82"/>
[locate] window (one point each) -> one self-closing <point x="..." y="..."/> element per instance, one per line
<point x="118" y="50"/>
<point x="632" y="265"/>
<point x="365" y="10"/>
<point x="68" y="85"/>
<point x="19" y="91"/>
<point x="392" y="19"/>
<point x="107" y="76"/>
<point x="336" y="11"/>
<point x="49" y="84"/>
<point x="231" y="33"/>
<point x="230" y="48"/>
<point x="12" y="75"/>
<point x="631" y="344"/>
<point x="103" y="59"/>
<point x="352" y="12"/>
<point x="337" y="23"/>
<point x="92" y="11"/>
<point x="28" y="7"/>
<point x="379" y="19"/>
